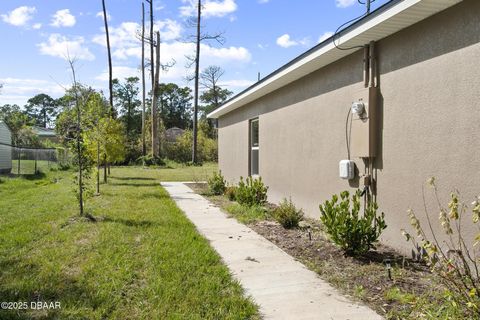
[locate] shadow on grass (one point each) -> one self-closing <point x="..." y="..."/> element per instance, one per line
<point x="37" y="176"/>
<point x="131" y="178"/>
<point x="128" y="222"/>
<point x="135" y="184"/>
<point x="153" y="195"/>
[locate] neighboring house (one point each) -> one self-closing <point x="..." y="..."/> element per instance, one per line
<point x="5" y="148"/>
<point x="45" y="134"/>
<point x="172" y="134"/>
<point x="291" y="127"/>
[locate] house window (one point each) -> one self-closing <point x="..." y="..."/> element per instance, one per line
<point x="254" y="147"/>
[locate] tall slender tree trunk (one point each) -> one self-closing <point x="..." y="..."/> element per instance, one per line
<point x="78" y="141"/>
<point x="110" y="69"/>
<point x="197" y="74"/>
<point x="155" y="141"/>
<point x="152" y="62"/>
<point x="144" y="145"/>
<point x="98" y="166"/>
<point x="104" y="168"/>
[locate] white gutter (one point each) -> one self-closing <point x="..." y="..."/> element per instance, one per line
<point x="399" y="16"/>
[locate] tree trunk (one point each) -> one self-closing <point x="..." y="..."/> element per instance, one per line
<point x="152" y="62"/>
<point x="197" y="74"/>
<point x="78" y="141"/>
<point x="98" y="167"/>
<point x="144" y="145"/>
<point x="104" y="168"/>
<point x="155" y="142"/>
<point x="110" y="70"/>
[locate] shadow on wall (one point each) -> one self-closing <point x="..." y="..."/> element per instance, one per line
<point x="450" y="30"/>
<point x="447" y="31"/>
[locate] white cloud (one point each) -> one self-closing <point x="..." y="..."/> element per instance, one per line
<point x="63" y="18"/>
<point x="285" y="41"/>
<point x="20" y="16"/>
<point x="18" y="91"/>
<point x="100" y="15"/>
<point x="63" y="47"/>
<point x="119" y="72"/>
<point x="125" y="40"/>
<point x="211" y="8"/>
<point x="263" y="1"/>
<point x="345" y="3"/>
<point x="325" y="36"/>
<point x="37" y="26"/>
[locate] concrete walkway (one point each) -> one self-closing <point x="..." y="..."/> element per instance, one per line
<point x="283" y="287"/>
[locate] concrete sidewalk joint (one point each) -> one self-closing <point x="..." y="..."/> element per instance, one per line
<point x="282" y="287"/>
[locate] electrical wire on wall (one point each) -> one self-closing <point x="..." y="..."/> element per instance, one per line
<point x="348" y="23"/>
<point x="348" y="131"/>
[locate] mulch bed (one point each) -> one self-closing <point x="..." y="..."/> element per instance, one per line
<point x="364" y="278"/>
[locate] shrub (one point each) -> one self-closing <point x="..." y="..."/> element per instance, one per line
<point x="453" y="260"/>
<point x="287" y="214"/>
<point x="356" y="234"/>
<point x="150" y="160"/>
<point x="217" y="184"/>
<point x="251" y="192"/>
<point x="230" y="192"/>
<point x="181" y="150"/>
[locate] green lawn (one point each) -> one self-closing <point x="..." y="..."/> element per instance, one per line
<point x="142" y="259"/>
<point x="28" y="166"/>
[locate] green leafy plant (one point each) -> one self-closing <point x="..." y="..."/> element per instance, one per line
<point x="251" y="192"/>
<point x="287" y="214"/>
<point x="230" y="192"/>
<point x="356" y="234"/>
<point x="217" y="184"/>
<point x="455" y="261"/>
<point x="150" y="160"/>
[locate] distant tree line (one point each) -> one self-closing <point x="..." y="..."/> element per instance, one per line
<point x="174" y="105"/>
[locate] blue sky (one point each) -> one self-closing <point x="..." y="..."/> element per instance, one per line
<point x="261" y="36"/>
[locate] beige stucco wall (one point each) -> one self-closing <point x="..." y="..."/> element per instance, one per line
<point x="429" y="122"/>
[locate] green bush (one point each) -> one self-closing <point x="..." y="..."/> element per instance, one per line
<point x="287" y="214"/>
<point x="251" y="192"/>
<point x="217" y="184"/>
<point x="356" y="234"/>
<point x="231" y="192"/>
<point x="181" y="150"/>
<point x="150" y="160"/>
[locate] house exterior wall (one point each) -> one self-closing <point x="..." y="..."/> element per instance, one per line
<point x="5" y="151"/>
<point x="428" y="123"/>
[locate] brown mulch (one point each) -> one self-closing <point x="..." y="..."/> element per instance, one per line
<point x="364" y="278"/>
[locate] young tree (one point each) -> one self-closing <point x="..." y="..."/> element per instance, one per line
<point x="96" y="109"/>
<point x="42" y="108"/>
<point x="79" y="147"/>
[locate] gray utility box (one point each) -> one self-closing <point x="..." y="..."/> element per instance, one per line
<point x="364" y="126"/>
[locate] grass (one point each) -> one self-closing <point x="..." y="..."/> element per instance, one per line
<point x="176" y="172"/>
<point x="141" y="259"/>
<point x="27" y="167"/>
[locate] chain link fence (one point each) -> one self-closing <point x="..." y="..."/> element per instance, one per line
<point x="30" y="161"/>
